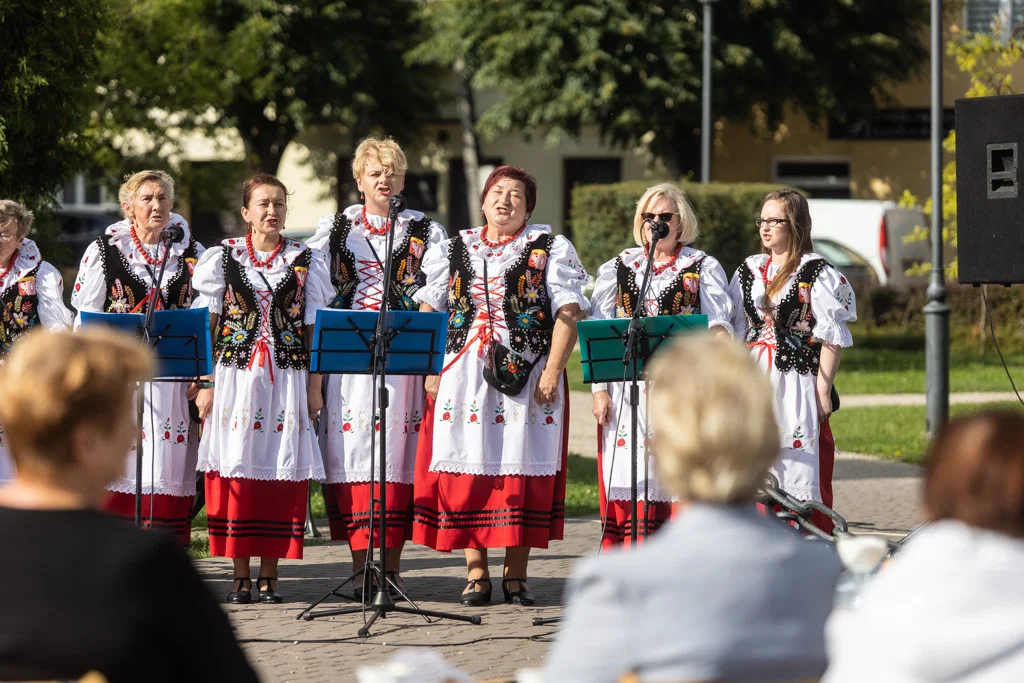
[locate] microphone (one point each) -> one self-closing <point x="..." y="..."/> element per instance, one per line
<point x="659" y="229"/>
<point x="173" y="233"/>
<point x="397" y="204"/>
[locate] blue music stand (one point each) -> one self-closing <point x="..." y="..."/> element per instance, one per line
<point x="180" y="339"/>
<point x="343" y="342"/>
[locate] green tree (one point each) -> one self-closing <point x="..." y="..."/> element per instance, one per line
<point x="633" y="67"/>
<point x="266" y="69"/>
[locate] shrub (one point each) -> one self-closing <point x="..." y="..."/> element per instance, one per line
<point x="602" y="219"/>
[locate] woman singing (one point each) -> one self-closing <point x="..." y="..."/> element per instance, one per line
<point x="793" y="308"/>
<point x="355" y="241"/>
<point x="683" y="281"/>
<point x="117" y="275"/>
<point x="258" y="448"/>
<point x="490" y="471"/>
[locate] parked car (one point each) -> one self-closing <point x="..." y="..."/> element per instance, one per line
<point x="856" y="269"/>
<point x="874" y="230"/>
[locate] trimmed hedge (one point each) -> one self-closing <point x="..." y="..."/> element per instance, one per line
<point x="602" y="219"/>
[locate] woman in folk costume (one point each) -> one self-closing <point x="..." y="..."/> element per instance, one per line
<point x="792" y="308"/>
<point x="258" y="448"/>
<point x="490" y="470"/>
<point x="31" y="293"/>
<point x="355" y="241"/>
<point x="117" y="275"/>
<point x="683" y="281"/>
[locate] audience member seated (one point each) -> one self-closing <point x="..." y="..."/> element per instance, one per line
<point x="950" y="605"/>
<point x="82" y="591"/>
<point x="721" y="593"/>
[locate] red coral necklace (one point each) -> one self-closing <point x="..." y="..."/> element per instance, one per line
<point x="10" y="265"/>
<point x="141" y="248"/>
<point x="502" y="241"/>
<point x="252" y="252"/>
<point x="383" y="230"/>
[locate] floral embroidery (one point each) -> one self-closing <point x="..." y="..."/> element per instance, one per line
<point x="182" y="430"/>
<point x="280" y="421"/>
<point x="798" y="436"/>
<point x="447" y="416"/>
<point x="623" y="433"/>
<point x="346" y="421"/>
<point x="166" y="427"/>
<point x="257" y="424"/>
<point x="549" y="416"/>
<point x="474" y="411"/>
<point x="499" y="413"/>
<point x="417" y="420"/>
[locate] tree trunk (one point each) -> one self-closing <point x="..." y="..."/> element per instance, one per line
<point x="685" y="158"/>
<point x="983" y="324"/>
<point x="470" y="143"/>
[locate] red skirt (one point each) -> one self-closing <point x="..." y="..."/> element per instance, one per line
<point x="452" y="511"/>
<point x="617" y="515"/>
<point x="348" y="514"/>
<point x="826" y="466"/>
<point x="250" y="518"/>
<point x="169" y="513"/>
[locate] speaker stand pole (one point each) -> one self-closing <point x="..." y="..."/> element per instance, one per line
<point x="936" y="311"/>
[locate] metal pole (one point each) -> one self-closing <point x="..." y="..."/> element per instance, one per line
<point x="936" y="311"/>
<point x="705" y="111"/>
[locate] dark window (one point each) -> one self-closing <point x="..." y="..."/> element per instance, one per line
<point x="93" y="192"/>
<point x="981" y="15"/>
<point x="824" y="179"/>
<point x="585" y="171"/>
<point x="68" y="194"/>
<point x="458" y="216"/>
<point x="421" y="191"/>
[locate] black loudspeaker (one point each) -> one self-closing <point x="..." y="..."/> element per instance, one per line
<point x="989" y="200"/>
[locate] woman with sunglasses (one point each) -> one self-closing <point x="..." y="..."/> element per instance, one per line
<point x="792" y="308"/>
<point x="683" y="281"/>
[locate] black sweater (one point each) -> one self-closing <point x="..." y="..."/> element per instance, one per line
<point x="81" y="591"/>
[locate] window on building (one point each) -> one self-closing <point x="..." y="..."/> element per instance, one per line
<point x="421" y="192"/>
<point x="981" y="15"/>
<point x="821" y="178"/>
<point x="585" y="171"/>
<point x="69" y="195"/>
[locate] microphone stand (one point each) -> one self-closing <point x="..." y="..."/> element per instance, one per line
<point x="634" y="338"/>
<point x="155" y="296"/>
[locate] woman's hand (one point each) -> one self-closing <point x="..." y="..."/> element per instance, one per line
<point x="204" y="401"/>
<point x="547" y="387"/>
<point x="603" y="408"/>
<point x="314" y="396"/>
<point x="192" y="391"/>
<point x="431" y="383"/>
<point x="824" y="401"/>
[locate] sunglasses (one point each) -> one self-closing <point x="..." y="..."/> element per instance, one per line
<point x="664" y="217"/>
<point x="770" y="222"/>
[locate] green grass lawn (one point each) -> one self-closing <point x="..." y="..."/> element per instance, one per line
<point x="895" y="432"/>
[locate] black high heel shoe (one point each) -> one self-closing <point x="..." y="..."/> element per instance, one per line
<point x="242" y="596"/>
<point x="475" y="598"/>
<point x="523" y="596"/>
<point x="268" y="596"/>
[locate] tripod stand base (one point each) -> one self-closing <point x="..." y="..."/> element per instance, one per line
<point x="544" y="621"/>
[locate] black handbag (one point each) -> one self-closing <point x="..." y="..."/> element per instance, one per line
<point x="835" y="398"/>
<point x="505" y="370"/>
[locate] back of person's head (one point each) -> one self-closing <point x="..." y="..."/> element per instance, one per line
<point x="974" y="472"/>
<point x="713" y="418"/>
<point x="56" y="387"/>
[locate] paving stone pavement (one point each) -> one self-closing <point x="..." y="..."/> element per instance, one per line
<point x="875" y="496"/>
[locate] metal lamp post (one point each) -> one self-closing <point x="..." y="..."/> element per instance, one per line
<point x="936" y="311"/>
<point x="705" y="111"/>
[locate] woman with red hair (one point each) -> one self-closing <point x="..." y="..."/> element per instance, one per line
<point x="490" y="468"/>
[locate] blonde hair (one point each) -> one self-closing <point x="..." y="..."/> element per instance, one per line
<point x="386" y="152"/>
<point x="130" y="187"/>
<point x="715" y="434"/>
<point x="55" y="381"/>
<point x="11" y="210"/>
<point x="688" y="230"/>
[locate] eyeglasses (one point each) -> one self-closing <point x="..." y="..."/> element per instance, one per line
<point x="770" y="222"/>
<point x="664" y="217"/>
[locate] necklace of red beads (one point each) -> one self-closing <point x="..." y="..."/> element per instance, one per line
<point x="382" y="230"/>
<point x="665" y="265"/>
<point x="252" y="252"/>
<point x="141" y="248"/>
<point x="10" y="265"/>
<point x="502" y="241"/>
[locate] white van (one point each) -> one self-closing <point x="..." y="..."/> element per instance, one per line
<point x="875" y="230"/>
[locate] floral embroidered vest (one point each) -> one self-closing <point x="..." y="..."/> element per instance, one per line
<point x="241" y="316"/>
<point x="406" y="279"/>
<point x="19" y="311"/>
<point x="794" y="319"/>
<point x="126" y="293"/>
<point x="682" y="297"/>
<point x="527" y="306"/>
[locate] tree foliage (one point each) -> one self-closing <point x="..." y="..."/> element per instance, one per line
<point x="267" y="69"/>
<point x="633" y="67"/>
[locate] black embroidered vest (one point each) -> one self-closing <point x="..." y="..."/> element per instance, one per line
<point x="794" y="319"/>
<point x="241" y="317"/>
<point x="527" y="306"/>
<point x="19" y="311"/>
<point x="407" y="277"/>
<point x="682" y="297"/>
<point x="126" y="292"/>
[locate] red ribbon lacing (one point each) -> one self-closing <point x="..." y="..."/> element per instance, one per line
<point x="495" y="315"/>
<point x="261" y="351"/>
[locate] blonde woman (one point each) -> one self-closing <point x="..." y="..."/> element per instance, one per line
<point x="117" y="275"/>
<point x="355" y="241"/>
<point x="793" y="309"/>
<point x="683" y="281"/>
<point x="31" y="294"/>
<point x="759" y="593"/>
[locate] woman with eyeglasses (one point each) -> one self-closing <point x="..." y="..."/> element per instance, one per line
<point x="31" y="294"/>
<point x="683" y="281"/>
<point x="792" y="307"/>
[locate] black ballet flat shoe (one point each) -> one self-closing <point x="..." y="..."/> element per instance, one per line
<point x="523" y="596"/>
<point x="395" y="584"/>
<point x="475" y="598"/>
<point x="242" y="596"/>
<point x="268" y="595"/>
<point x="364" y="586"/>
